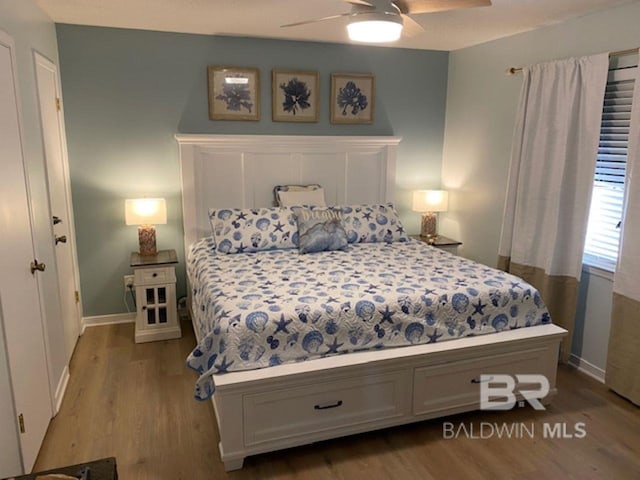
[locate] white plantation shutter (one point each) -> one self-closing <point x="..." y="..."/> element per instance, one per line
<point x="605" y="214"/>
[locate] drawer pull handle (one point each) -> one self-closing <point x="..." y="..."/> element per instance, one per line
<point x="326" y="407"/>
<point x="154" y="275"/>
<point x="477" y="380"/>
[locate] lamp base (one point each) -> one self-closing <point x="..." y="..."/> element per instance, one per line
<point x="428" y="228"/>
<point x="147" y="240"/>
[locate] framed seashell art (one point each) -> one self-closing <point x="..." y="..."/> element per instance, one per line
<point x="294" y="96"/>
<point x="352" y="98"/>
<point x="234" y="93"/>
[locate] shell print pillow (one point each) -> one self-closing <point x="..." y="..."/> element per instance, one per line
<point x="373" y="223"/>
<point x="249" y="230"/>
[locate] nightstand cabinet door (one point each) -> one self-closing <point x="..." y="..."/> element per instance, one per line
<point x="157" y="314"/>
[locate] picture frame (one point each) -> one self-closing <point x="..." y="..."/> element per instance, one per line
<point x="234" y="93"/>
<point x="295" y="95"/>
<point x="352" y="98"/>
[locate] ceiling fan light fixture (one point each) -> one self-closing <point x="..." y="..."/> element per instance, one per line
<point x="375" y="27"/>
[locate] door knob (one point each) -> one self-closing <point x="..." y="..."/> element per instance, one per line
<point x="56" y="220"/>
<point x="61" y="239"/>
<point x="37" y="267"/>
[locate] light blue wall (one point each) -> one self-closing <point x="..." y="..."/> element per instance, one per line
<point x="31" y="31"/>
<point x="127" y="92"/>
<point x="481" y="109"/>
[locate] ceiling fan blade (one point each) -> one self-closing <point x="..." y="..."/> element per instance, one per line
<point x="360" y="2"/>
<point x="431" y="6"/>
<point x="411" y="28"/>
<point x="315" y="20"/>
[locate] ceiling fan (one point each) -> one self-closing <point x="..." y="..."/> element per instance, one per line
<point x="381" y="21"/>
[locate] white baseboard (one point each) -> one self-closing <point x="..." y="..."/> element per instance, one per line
<point x="587" y="368"/>
<point x="156" y="334"/>
<point x="107" y="320"/>
<point x="61" y="389"/>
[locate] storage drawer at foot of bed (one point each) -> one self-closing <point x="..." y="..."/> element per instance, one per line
<point x="276" y="415"/>
<point x="453" y="385"/>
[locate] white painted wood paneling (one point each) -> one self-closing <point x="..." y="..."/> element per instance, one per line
<point x="365" y="178"/>
<point x="22" y="319"/>
<point x="241" y="171"/>
<point x="59" y="189"/>
<point x="277" y="415"/>
<point x="248" y="404"/>
<point x="265" y="170"/>
<point x="324" y="169"/>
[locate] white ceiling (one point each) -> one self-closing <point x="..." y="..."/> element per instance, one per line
<point x="262" y="18"/>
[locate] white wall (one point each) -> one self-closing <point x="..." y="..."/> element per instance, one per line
<point x="31" y="29"/>
<point x="481" y="108"/>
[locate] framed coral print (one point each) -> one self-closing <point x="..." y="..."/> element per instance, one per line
<point x="294" y="96"/>
<point x="234" y="93"/>
<point x="352" y="98"/>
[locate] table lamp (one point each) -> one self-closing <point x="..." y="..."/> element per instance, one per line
<point x="429" y="202"/>
<point x="146" y="212"/>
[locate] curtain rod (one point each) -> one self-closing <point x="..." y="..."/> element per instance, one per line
<point x="620" y="53"/>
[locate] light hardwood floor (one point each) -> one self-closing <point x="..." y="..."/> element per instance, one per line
<point x="135" y="402"/>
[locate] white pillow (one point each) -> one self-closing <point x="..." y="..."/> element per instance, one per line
<point x="312" y="198"/>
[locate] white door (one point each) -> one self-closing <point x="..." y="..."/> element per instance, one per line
<point x="22" y="318"/>
<point x="59" y="197"/>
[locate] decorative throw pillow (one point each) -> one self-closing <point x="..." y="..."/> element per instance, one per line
<point x="303" y="198"/>
<point x="253" y="229"/>
<point x="320" y="230"/>
<point x="373" y="223"/>
<point x="292" y="188"/>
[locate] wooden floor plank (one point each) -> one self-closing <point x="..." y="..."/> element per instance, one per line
<point x="135" y="402"/>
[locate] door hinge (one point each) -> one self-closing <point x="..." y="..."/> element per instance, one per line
<point x="77" y="296"/>
<point x="58" y="103"/>
<point x="21" y="423"/>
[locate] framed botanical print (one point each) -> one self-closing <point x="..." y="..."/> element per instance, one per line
<point x="352" y="98"/>
<point x="234" y="93"/>
<point x="294" y="96"/>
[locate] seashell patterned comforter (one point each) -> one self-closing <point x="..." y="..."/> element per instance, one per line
<point x="263" y="309"/>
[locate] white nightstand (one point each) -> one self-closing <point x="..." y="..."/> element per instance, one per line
<point x="155" y="283"/>
<point x="441" y="242"/>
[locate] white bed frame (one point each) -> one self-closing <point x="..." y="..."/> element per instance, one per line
<point x="274" y="408"/>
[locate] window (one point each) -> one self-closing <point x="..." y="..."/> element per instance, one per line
<point x="605" y="214"/>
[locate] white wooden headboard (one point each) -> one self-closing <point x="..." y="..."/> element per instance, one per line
<point x="241" y="170"/>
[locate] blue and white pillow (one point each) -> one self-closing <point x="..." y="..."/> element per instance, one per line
<point x="373" y="223"/>
<point x="253" y="229"/>
<point x="320" y="230"/>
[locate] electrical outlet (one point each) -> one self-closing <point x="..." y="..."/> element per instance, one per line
<point x="128" y="281"/>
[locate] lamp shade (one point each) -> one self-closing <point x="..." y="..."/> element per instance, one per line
<point x="375" y="27"/>
<point x="145" y="211"/>
<point x="430" y="201"/>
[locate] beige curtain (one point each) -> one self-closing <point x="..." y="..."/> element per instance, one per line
<point x="623" y="359"/>
<point x="550" y="180"/>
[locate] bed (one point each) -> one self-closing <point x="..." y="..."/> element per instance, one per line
<point x="396" y="304"/>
